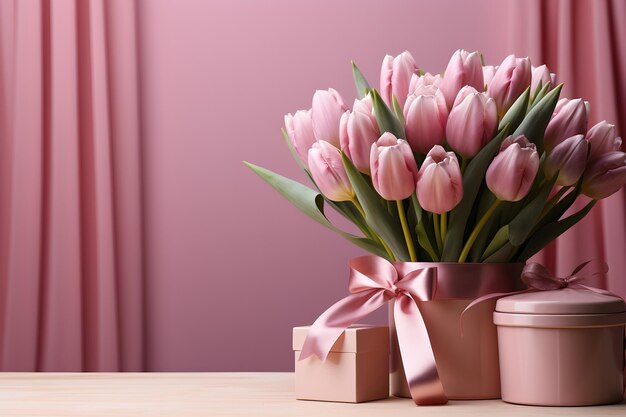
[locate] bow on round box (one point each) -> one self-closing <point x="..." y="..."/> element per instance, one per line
<point x="373" y="281"/>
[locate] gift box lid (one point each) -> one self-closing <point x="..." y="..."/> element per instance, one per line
<point x="358" y="338"/>
<point x="563" y="301"/>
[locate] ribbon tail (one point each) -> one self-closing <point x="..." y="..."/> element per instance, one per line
<point x="596" y="290"/>
<point x="417" y="354"/>
<point x="487" y="297"/>
<point x="325" y="331"/>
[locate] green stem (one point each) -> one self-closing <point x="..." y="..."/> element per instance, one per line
<point x="405" y="229"/>
<point x="437" y="227"/>
<point x="444" y="227"/>
<point x="376" y="236"/>
<point x="479" y="226"/>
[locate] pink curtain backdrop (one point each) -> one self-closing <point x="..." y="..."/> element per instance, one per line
<point x="70" y="209"/>
<point x="87" y="210"/>
<point x="584" y="42"/>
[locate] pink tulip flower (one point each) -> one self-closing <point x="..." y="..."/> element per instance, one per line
<point x="463" y="69"/>
<point x="299" y="128"/>
<point x="425" y="119"/>
<point x="439" y="181"/>
<point x="418" y="82"/>
<point x="464" y="92"/>
<point x="569" y="119"/>
<point x="605" y="176"/>
<point x="395" y="77"/>
<point x="603" y="139"/>
<point x="394" y="171"/>
<point x="326" y="111"/>
<point x="471" y="124"/>
<point x="357" y="134"/>
<point x="329" y="173"/>
<point x="512" y="172"/>
<point x="568" y="158"/>
<point x="488" y="73"/>
<point x="541" y="74"/>
<point x="509" y="82"/>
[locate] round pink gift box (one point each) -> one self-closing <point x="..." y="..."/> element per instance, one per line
<point x="561" y="348"/>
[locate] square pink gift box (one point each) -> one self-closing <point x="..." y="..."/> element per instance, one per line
<point x="356" y="370"/>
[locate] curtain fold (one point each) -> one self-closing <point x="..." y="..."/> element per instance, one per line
<point x="71" y="243"/>
<point x="584" y="42"/>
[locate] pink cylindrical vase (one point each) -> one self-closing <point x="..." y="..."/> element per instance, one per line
<point x="467" y="359"/>
<point x="561" y="348"/>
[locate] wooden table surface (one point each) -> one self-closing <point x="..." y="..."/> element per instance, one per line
<point x="220" y="394"/>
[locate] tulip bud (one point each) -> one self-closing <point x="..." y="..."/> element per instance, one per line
<point x="439" y="181"/>
<point x="541" y="74"/>
<point x="464" y="68"/>
<point x="365" y="106"/>
<point x="464" y="92"/>
<point x="569" y="119"/>
<point x="326" y="111"/>
<point x="603" y="139"/>
<point x="605" y="176"/>
<point x="512" y="172"/>
<point x="357" y="135"/>
<point x="299" y="128"/>
<point x="418" y="82"/>
<point x="568" y="158"/>
<point x="471" y="123"/>
<point x="329" y="173"/>
<point x="425" y="119"/>
<point x="394" y="171"/>
<point x="488" y="73"/>
<point x="395" y="76"/>
<point x="509" y="82"/>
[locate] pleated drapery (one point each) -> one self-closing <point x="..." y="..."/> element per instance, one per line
<point x="70" y="198"/>
<point x="584" y="43"/>
<point x="71" y="212"/>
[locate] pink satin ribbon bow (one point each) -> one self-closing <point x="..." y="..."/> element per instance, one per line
<point x="538" y="278"/>
<point x="373" y="282"/>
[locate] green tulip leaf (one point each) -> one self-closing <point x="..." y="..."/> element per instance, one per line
<point x="387" y="120"/>
<point x="504" y="254"/>
<point x="376" y="215"/>
<point x="540" y="92"/>
<point x="523" y="224"/>
<point x="311" y="203"/>
<point x="484" y="237"/>
<point x="398" y="110"/>
<point x="424" y="239"/>
<point x="500" y="239"/>
<point x="472" y="179"/>
<point x="564" y="203"/>
<point x="516" y="112"/>
<point x="362" y="86"/>
<point x="551" y="231"/>
<point x="534" y="124"/>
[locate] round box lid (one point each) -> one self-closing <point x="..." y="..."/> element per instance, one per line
<point x="563" y="301"/>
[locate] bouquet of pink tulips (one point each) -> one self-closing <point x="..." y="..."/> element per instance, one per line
<point x="479" y="164"/>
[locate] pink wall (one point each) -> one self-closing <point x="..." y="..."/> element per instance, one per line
<point x="231" y="267"/>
